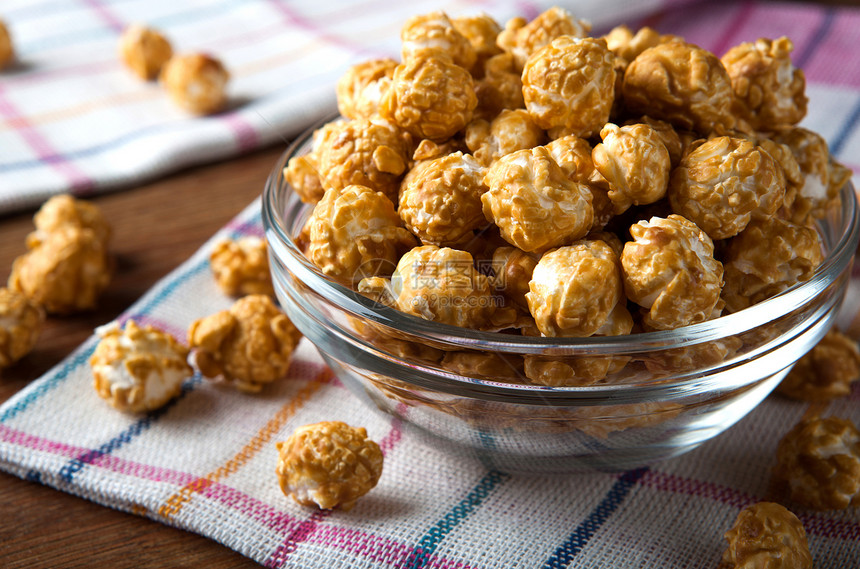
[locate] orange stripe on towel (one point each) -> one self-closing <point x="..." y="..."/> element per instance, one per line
<point x="175" y="503"/>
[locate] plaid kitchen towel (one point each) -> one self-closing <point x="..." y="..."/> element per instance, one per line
<point x="206" y="461"/>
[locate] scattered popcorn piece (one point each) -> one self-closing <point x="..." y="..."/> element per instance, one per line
<point x="138" y="369"/>
<point x="248" y="345"/>
<point x="361" y="88"/>
<point x="65" y="210"/>
<point x="818" y="463"/>
<point x="434" y="34"/>
<point x="20" y="325"/>
<point x="241" y="266"/>
<point x="533" y="202"/>
<point x="509" y="131"/>
<point x="569" y="86"/>
<point x="766" y="258"/>
<point x="521" y="39"/>
<point x="724" y="183"/>
<point x="826" y="372"/>
<point x="65" y="273"/>
<point x="355" y="233"/>
<point x="440" y="199"/>
<point x="766" y="535"/>
<point x="7" y="48"/>
<point x="144" y="50"/>
<point x="196" y="82"/>
<point x="328" y="465"/>
<point x="670" y="270"/>
<point x="769" y="90"/>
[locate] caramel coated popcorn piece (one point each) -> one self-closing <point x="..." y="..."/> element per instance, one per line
<point x="826" y="372"/>
<point x="500" y="88"/>
<point x="248" y="345"/>
<point x="488" y="365"/>
<point x="144" y="50"/>
<point x="819" y="188"/>
<point x="766" y="258"/>
<point x="681" y="84"/>
<point x="434" y="33"/>
<point x="241" y="266"/>
<point x="196" y="82"/>
<point x="303" y="172"/>
<point x="766" y="535"/>
<point x="482" y="31"/>
<point x="355" y="233"/>
<point x="626" y="45"/>
<point x="138" y="369"/>
<point x="20" y="325"/>
<point x="430" y="97"/>
<point x="513" y="270"/>
<point x="65" y="273"/>
<point x="769" y="90"/>
<point x="670" y="270"/>
<point x="361" y="88"/>
<point x="509" y="131"/>
<point x="65" y="210"/>
<point x="818" y="464"/>
<point x="521" y="39"/>
<point x="328" y="465"/>
<point x="534" y="203"/>
<point x="7" y="48"/>
<point x="440" y="200"/>
<point x="569" y="86"/>
<point x="724" y="183"/>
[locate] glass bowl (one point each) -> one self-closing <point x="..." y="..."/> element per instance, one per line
<point x="665" y="392"/>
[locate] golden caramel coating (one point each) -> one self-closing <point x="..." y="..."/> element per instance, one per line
<point x="20" y="324"/>
<point x="482" y="31"/>
<point x="430" y="97"/>
<point x="766" y="535"/>
<point x="248" y="345"/>
<point x="196" y="82"/>
<point x="635" y="162"/>
<point x="241" y="266"/>
<point x="769" y="90"/>
<point x="370" y="153"/>
<point x="302" y="172"/>
<point x="434" y="34"/>
<point x="826" y="372"/>
<point x="574" y="289"/>
<point x="693" y="357"/>
<point x="566" y="371"/>
<point x="626" y="45"/>
<point x="670" y="270"/>
<point x="355" y="233"/>
<point x="725" y="183"/>
<point x="442" y="285"/>
<point x="569" y="86"/>
<point x="510" y="131"/>
<point x="500" y="88"/>
<point x="440" y="199"/>
<point x="681" y="84"/>
<point x="144" y="50"/>
<point x="494" y="366"/>
<point x="574" y="155"/>
<point x="7" y="48"/>
<point x="522" y="39"/>
<point x="138" y="369"/>
<point x="361" y="88"/>
<point x="667" y="133"/>
<point x="818" y="464"/>
<point x="817" y="192"/>
<point x="766" y="258"/>
<point x="513" y="270"/>
<point x="328" y="465"/>
<point x="65" y="273"/>
<point x="533" y="202"/>
<point x="64" y="210"/>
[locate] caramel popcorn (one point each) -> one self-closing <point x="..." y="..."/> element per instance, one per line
<point x="481" y="31"/>
<point x="569" y="86"/>
<point x="435" y="34"/>
<point x="328" y="465"/>
<point x="440" y="199"/>
<point x="635" y="162"/>
<point x="769" y="90"/>
<point x="65" y="210"/>
<point x="65" y="273"/>
<point x="441" y="284"/>
<point x="354" y="233"/>
<point x="521" y="39"/>
<point x="509" y="131"/>
<point x="681" y="84"/>
<point x="513" y="270"/>
<point x="144" y="50"/>
<point x="302" y="172"/>
<point x="7" y="48"/>
<point x="724" y="183"/>
<point x="566" y="371"/>
<point x="196" y="82"/>
<point x="500" y="88"/>
<point x="668" y="136"/>
<point x="818" y="464"/>
<point x="574" y="289"/>
<point x="248" y="345"/>
<point x="766" y="258"/>
<point x="826" y="372"/>
<point x="533" y="202"/>
<point x="138" y="369"/>
<point x="430" y="97"/>
<point x="488" y="365"/>
<point x="766" y="535"/>
<point x="361" y="88"/>
<point x="627" y="46"/>
<point x="670" y="270"/>
<point x="241" y="266"/>
<point x="20" y="325"/>
<point x="370" y="153"/>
